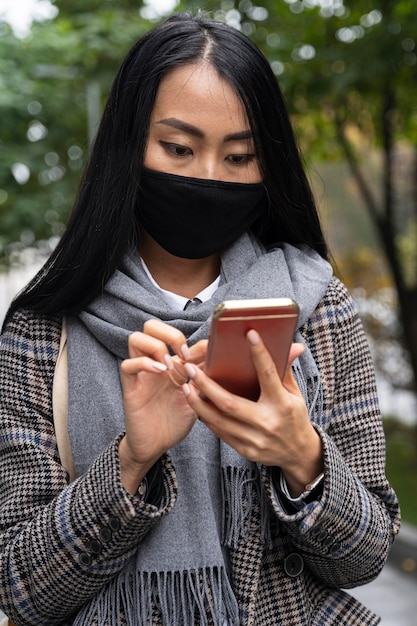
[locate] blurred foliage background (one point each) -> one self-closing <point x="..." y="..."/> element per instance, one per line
<point x="348" y="69"/>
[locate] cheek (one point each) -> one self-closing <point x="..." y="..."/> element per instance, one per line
<point x="254" y="173"/>
<point x="151" y="155"/>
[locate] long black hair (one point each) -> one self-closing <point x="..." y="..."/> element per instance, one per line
<point x="104" y="220"/>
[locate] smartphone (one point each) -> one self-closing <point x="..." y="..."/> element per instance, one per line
<point x="228" y="359"/>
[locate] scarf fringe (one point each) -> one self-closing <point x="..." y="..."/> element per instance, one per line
<point x="189" y="598"/>
<point x="246" y="508"/>
<point x="312" y="392"/>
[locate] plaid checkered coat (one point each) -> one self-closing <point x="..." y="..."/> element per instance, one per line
<point x="60" y="543"/>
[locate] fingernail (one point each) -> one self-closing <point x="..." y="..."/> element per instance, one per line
<point x="159" y="367"/>
<point x="185" y="351"/>
<point x="168" y="361"/>
<point x="253" y="337"/>
<point x="190" y="369"/>
<point x="186" y="389"/>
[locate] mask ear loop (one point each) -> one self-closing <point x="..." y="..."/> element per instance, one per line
<point x="177" y="374"/>
<point x="190" y="304"/>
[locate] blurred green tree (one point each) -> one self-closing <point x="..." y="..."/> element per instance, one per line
<point x="52" y="87"/>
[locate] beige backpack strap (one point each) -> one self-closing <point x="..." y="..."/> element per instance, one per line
<point x="60" y="405"/>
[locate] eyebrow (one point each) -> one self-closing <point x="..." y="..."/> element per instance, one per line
<point x="196" y="132"/>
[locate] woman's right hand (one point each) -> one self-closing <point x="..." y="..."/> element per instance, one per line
<point x="157" y="415"/>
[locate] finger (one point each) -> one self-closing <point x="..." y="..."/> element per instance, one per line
<point x="295" y="351"/>
<point x="131" y="369"/>
<point x="269" y="380"/>
<point x="140" y="344"/>
<point x="213" y="398"/>
<point x="141" y="364"/>
<point x="203" y="407"/>
<point x="230" y="419"/>
<point x="289" y="381"/>
<point x="169" y="335"/>
<point x="198" y="351"/>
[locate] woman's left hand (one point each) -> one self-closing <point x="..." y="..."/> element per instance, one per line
<point x="275" y="430"/>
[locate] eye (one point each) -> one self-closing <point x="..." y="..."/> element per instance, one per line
<point x="176" y="149"/>
<point x="240" y="159"/>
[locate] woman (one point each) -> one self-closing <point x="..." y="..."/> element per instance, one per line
<point x="257" y="512"/>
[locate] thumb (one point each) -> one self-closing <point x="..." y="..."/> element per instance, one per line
<point x="289" y="381"/>
<point x="198" y="352"/>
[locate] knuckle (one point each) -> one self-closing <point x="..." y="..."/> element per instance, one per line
<point x="148" y="324"/>
<point x="287" y="408"/>
<point x="134" y="343"/>
<point x="163" y="331"/>
<point x="269" y="372"/>
<point x="133" y="337"/>
<point x="229" y="406"/>
<point x="252" y="452"/>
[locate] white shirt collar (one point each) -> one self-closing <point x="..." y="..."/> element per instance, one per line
<point x="176" y="301"/>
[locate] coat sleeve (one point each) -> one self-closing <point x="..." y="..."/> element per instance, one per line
<point x="344" y="536"/>
<point x="59" y="542"/>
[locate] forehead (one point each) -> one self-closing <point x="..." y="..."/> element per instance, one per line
<point x="198" y="93"/>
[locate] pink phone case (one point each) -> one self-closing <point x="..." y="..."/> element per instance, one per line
<point x="228" y="358"/>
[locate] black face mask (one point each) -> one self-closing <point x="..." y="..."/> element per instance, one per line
<point x="193" y="218"/>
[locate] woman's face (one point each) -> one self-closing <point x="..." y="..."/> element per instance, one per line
<point x="199" y="128"/>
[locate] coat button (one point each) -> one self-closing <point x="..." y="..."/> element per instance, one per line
<point x="316" y="531"/>
<point x="96" y="547"/>
<point x="329" y="541"/>
<point x="105" y="534"/>
<point x="114" y="523"/>
<point x="334" y="547"/>
<point x="84" y="559"/>
<point x="321" y="537"/>
<point x="293" y="564"/>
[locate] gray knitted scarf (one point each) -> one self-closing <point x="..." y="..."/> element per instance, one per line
<point x="181" y="571"/>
